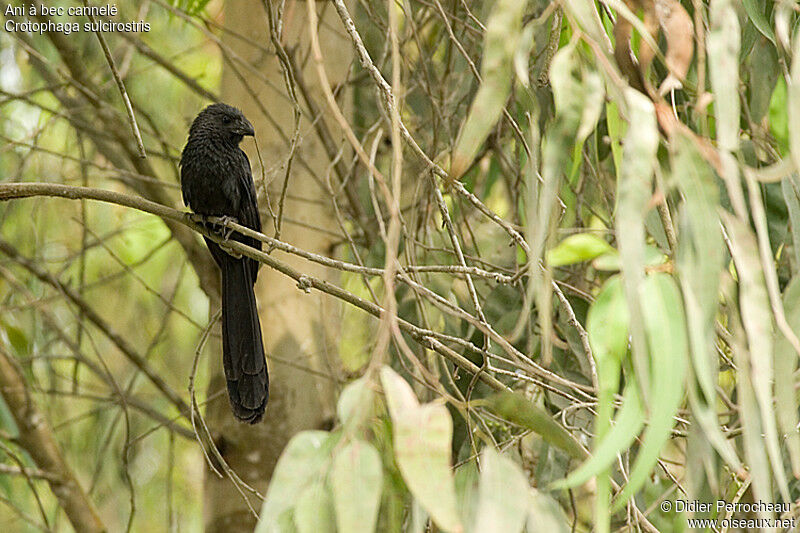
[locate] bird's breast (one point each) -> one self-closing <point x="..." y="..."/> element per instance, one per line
<point x="208" y="179"/>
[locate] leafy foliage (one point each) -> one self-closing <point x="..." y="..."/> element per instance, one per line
<point x="644" y="191"/>
<point x="565" y="237"/>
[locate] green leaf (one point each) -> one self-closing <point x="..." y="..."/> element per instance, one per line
<point x="352" y="350"/>
<point x="17" y="338"/>
<point x="585" y="14"/>
<point x="616" y="130"/>
<point x="700" y="260"/>
<point x="610" y="261"/>
<point x="545" y="515"/>
<point x="523" y="53"/>
<point x="314" y="510"/>
<point x="355" y="403"/>
<point x="467" y="491"/>
<point x="791" y="195"/>
<point x="192" y="7"/>
<point x="627" y="425"/>
<point x="568" y="91"/>
<point x="607" y="325"/>
<point x="778" y="118"/>
<point x="700" y="256"/>
<point x="577" y="248"/>
<point x="755" y="11"/>
<point x="419" y="519"/>
<point x="752" y="440"/>
<point x="356" y="480"/>
<point x="633" y="193"/>
<point x="594" y="97"/>
<point x="723" y="43"/>
<point x="515" y="408"/>
<point x="502" y="496"/>
<point x="422" y="447"/>
<point x="503" y="31"/>
<point x="763" y="71"/>
<point x="558" y="144"/>
<point x="785" y="367"/>
<point x="793" y="104"/>
<point x="757" y="320"/>
<point x="665" y="324"/>
<point x="302" y="463"/>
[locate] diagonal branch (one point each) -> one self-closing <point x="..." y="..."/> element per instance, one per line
<point x="305" y="282"/>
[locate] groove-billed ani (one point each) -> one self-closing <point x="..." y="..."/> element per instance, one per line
<point x="216" y="181"/>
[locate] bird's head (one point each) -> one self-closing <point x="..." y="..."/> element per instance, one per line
<point x="222" y="121"/>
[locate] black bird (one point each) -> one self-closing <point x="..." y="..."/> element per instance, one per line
<point x="216" y="181"/>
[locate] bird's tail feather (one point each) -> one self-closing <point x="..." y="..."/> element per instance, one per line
<point x="242" y="348"/>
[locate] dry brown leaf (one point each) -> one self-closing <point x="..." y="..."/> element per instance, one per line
<point x="623" y="54"/>
<point x="679" y="33"/>
<point x="651" y="22"/>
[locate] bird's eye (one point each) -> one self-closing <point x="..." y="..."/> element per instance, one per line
<point x="226" y="119"/>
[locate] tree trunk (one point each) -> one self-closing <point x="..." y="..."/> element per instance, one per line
<point x="299" y="329"/>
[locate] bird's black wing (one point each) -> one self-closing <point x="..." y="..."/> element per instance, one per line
<point x="248" y="208"/>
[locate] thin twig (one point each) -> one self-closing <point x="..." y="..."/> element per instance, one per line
<point x="36" y="437"/>
<point x="120" y="85"/>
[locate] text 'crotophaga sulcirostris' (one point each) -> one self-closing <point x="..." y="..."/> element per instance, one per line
<point x="216" y="181"/>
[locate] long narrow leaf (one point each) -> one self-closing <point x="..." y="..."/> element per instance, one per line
<point x="627" y="425"/>
<point x="785" y="367"/>
<point x="503" y="31"/>
<point x="669" y="350"/>
<point x="633" y="190"/>
<point x="757" y="321"/>
<point x="723" y="44"/>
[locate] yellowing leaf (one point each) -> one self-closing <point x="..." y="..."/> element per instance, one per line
<point x="676" y="24"/>
<point x="355" y="403"/>
<point x="422" y="444"/>
<point x="313" y="512"/>
<point x="502" y="496"/>
<point x="356" y="479"/>
<point x="300" y="464"/>
<point x="545" y="515"/>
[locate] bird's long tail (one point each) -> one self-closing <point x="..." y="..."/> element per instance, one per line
<point x="242" y="348"/>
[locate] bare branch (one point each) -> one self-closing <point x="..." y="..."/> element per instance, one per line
<point x="37" y="439"/>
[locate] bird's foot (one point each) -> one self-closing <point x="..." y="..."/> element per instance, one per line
<point x="219" y="225"/>
<point x="200" y="220"/>
<point x="227" y="231"/>
<point x="195" y="218"/>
